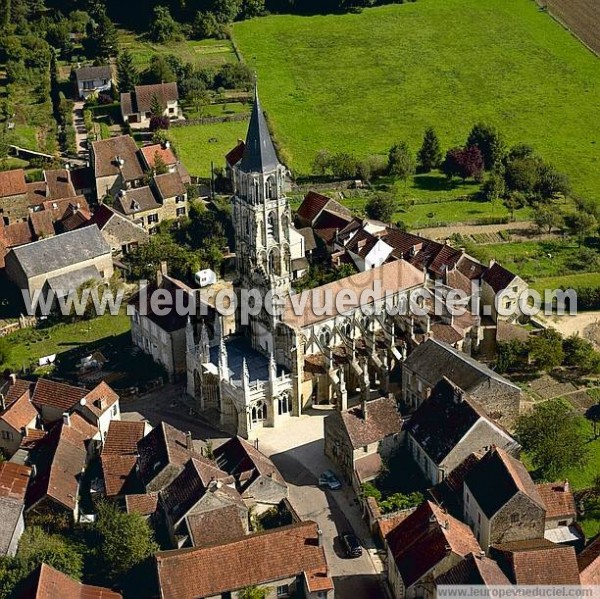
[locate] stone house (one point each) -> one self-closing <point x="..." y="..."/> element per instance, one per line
<point x="256" y="478"/>
<point x="136" y="106"/>
<point x="425" y="545"/>
<point x="61" y="263"/>
<point x="118" y="231"/>
<point x="475" y="569"/>
<point x="284" y="561"/>
<point x="501" y="502"/>
<point x="90" y="81"/>
<point x="359" y="439"/>
<point x="116" y="165"/>
<point x="561" y="514"/>
<point x="140" y="206"/>
<point x="200" y="487"/>
<point x="433" y="360"/>
<point x="501" y="290"/>
<point x="18" y="415"/>
<point x="447" y="428"/>
<point x="13" y="196"/>
<point x="172" y="195"/>
<point x="14" y="479"/>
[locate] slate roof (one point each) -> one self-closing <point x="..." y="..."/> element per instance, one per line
<point x="474" y="569"/>
<point x="256" y="559"/>
<point x="498" y="277"/>
<point x="61" y="251"/>
<point x="427" y="537"/>
<point x="127" y="103"/>
<point x="217" y="526"/>
<point x="72" y="280"/>
<point x="164" y="92"/>
<point x="47" y="583"/>
<point x="93" y="73"/>
<point x="588" y="562"/>
<point x="443" y="419"/>
<point x="169" y="185"/>
<point x="56" y="395"/>
<point x="537" y="562"/>
<point x="383" y="419"/>
<point x="310" y="243"/>
<point x="259" y="152"/>
<point x="12" y="183"/>
<point x="137" y="200"/>
<point x="558" y="500"/>
<point x="497" y="478"/>
<point x="245" y="463"/>
<point x="105" y="158"/>
<point x="463" y="370"/>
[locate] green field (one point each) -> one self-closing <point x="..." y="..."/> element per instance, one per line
<point x="360" y="82"/>
<point x="195" y="149"/>
<point x="591" y="280"/>
<point x="203" y="53"/>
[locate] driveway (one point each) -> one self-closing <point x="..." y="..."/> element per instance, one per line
<point x="80" y="131"/>
<point x="297" y="450"/>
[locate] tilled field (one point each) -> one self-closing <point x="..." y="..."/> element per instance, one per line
<point x="582" y="17"/>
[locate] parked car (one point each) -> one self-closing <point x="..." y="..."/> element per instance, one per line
<point x="330" y="480"/>
<point x="351" y="545"/>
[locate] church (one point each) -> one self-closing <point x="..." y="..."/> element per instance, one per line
<point x="260" y="371"/>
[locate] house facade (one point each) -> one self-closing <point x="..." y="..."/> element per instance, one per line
<point x="136" y="107"/>
<point x="91" y="81"/>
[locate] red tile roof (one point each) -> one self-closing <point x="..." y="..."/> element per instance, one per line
<point x="169" y="185"/>
<point x="100" y="399"/>
<point x="106" y="152"/>
<point x="118" y="473"/>
<point x="312" y="205"/>
<point x="17" y="389"/>
<point x="13" y="480"/>
<point x="16" y="234"/>
<point x="150" y="152"/>
<point x="498" y="277"/>
<point x="144" y="503"/>
<point x="475" y="569"/>
<point x="164" y="92"/>
<point x="12" y="183"/>
<point x="60" y="208"/>
<point x="59" y="184"/>
<point x="41" y="223"/>
<point x="20" y="413"/>
<point x="558" y="499"/>
<point x="217" y="526"/>
<point x="123" y="437"/>
<point x="256" y="559"/>
<point x="427" y="537"/>
<point x="56" y="395"/>
<point x="588" y="562"/>
<point x="235" y="155"/>
<point x="47" y="583"/>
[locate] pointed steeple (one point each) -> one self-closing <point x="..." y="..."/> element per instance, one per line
<point x="259" y="154"/>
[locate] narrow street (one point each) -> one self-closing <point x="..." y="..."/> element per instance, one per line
<point x="80" y="131"/>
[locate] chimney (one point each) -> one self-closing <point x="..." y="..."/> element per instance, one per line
<point x="12" y="377"/>
<point x="189" y="444"/>
<point x="66" y="419"/>
<point x="2" y="402"/>
<point x="566" y="487"/>
<point x="320" y="537"/>
<point x="363" y="407"/>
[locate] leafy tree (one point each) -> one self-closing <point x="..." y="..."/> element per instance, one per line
<point x="521" y="174"/>
<point x="401" y="501"/>
<point x="343" y="165"/>
<point x="5" y="351"/>
<point x="510" y="355"/>
<point x="253" y="8"/>
<point x="226" y="11"/>
<point x="582" y="225"/>
<point x="580" y="353"/>
<point x="159" y="71"/>
<point x="401" y="162"/>
<point x="463" y="162"/>
<point x="546" y="349"/>
<point x="430" y="155"/>
<point x="547" y="218"/>
<point x="494" y="188"/>
<point x="551" y="182"/>
<point x="159" y="123"/>
<point x="253" y="592"/>
<point x="321" y="162"/>
<point x="102" y="36"/>
<point x="381" y="206"/>
<point x="551" y="434"/>
<point x="146" y="258"/>
<point x="235" y="75"/>
<point x="124" y="541"/>
<point x="163" y="28"/>
<point x="490" y="143"/>
<point x="593" y="415"/>
<point x="160" y="166"/>
<point x="370" y="490"/>
<point x="127" y="75"/>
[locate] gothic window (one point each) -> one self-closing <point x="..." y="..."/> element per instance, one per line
<point x="274" y="262"/>
<point x="325" y="337"/>
<point x="347" y="329"/>
<point x="256" y="194"/>
<point x="285" y="404"/>
<point x="259" y="412"/>
<point x="272" y="228"/>
<point x="271" y="188"/>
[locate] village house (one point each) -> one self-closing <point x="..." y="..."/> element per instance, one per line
<point x="13" y="486"/>
<point x="537" y="562"/>
<point x="119" y="458"/>
<point x="501" y="289"/>
<point x="91" y="81"/>
<point x="561" y="514"/>
<point x="172" y="195"/>
<point x="217" y="526"/>
<point x="588" y="562"/>
<point x="100" y="407"/>
<point x="200" y="487"/>
<point x="425" y="545"/>
<point x="136" y="106"/>
<point x="17" y="416"/>
<point x="447" y="428"/>
<point x="116" y="165"/>
<point x="256" y="477"/>
<point x="53" y="399"/>
<point x="145" y="504"/>
<point x="47" y="583"/>
<point x="13" y="196"/>
<point x="497" y="396"/>
<point x="475" y="569"/>
<point x="61" y="263"/>
<point x="282" y="561"/>
<point x="360" y="439"/>
<point x="501" y="502"/>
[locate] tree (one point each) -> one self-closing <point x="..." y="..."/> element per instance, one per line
<point x="253" y="8"/>
<point x="159" y="123"/>
<point x="206" y="25"/>
<point x="490" y="143"/>
<point x="430" y="155"/>
<point x="160" y="166"/>
<point x="343" y="165"/>
<point x="124" y="541"/>
<point x="321" y="162"/>
<point x="551" y="182"/>
<point x="226" y="11"/>
<point x="401" y="162"/>
<point x="494" y="188"/>
<point x="159" y="71"/>
<point x="5" y="351"/>
<point x="551" y="434"/>
<point x="580" y="353"/>
<point x="235" y="75"/>
<point x="127" y="75"/>
<point x="510" y="354"/>
<point x="163" y="28"/>
<point x="593" y="415"/>
<point x="547" y="218"/>
<point x="156" y="108"/>
<point x="546" y="349"/>
<point x="582" y="225"/>
<point x="103" y="38"/>
<point x="521" y="174"/>
<point x="463" y="162"/>
<point x="381" y="206"/>
<point x="253" y="592"/>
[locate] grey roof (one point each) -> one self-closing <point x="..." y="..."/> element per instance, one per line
<point x="73" y="280"/>
<point x="91" y="73"/>
<point x="10" y="512"/>
<point x="435" y="359"/>
<point x="259" y="152"/>
<point x="61" y="251"/>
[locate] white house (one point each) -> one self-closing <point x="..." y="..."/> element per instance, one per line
<point x="92" y="80"/>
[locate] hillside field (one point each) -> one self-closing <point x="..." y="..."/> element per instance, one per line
<point x="360" y="82"/>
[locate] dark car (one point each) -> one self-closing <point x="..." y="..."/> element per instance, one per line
<point x="351" y="545"/>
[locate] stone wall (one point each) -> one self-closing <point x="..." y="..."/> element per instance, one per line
<point x="520" y="519"/>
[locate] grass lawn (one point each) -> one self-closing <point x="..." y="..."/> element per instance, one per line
<point x="205" y="53"/>
<point x="195" y="149"/>
<point x="591" y="279"/>
<point x="28" y="345"/>
<point x="360" y="82"/>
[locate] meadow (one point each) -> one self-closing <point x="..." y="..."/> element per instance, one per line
<point x="360" y="82"/>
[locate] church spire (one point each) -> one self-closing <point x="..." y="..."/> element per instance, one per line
<point x="259" y="154"/>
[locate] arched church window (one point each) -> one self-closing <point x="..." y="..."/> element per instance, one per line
<point x="347" y="329"/>
<point x="284" y="404"/>
<point x="259" y="412"/>
<point x="271" y="188"/>
<point x="325" y="337"/>
<point x="272" y="228"/>
<point x="274" y="262"/>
